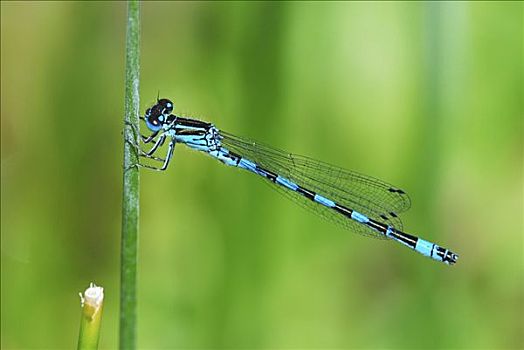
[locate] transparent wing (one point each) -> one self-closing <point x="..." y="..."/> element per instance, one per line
<point x="374" y="198"/>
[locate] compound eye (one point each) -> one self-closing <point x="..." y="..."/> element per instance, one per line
<point x="148" y="112"/>
<point x="153" y="123"/>
<point x="169" y="108"/>
<point x="166" y="105"/>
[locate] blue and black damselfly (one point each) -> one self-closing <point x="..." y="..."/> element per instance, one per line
<point x="358" y="202"/>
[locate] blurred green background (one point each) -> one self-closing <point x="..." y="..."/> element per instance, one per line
<point x="427" y="96"/>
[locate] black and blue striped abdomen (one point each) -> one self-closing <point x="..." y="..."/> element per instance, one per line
<point x="333" y="210"/>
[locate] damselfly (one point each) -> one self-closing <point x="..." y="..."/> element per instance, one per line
<point x="358" y="202"/>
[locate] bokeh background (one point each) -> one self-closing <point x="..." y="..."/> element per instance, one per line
<point x="427" y="96"/>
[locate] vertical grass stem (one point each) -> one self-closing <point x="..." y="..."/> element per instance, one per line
<point x="130" y="200"/>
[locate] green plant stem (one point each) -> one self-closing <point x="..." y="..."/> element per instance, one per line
<point x="130" y="202"/>
<point x="92" y="306"/>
